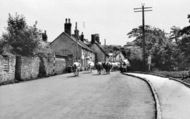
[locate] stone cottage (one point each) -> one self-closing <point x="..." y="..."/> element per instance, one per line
<point x="119" y="56"/>
<point x="116" y="56"/>
<point x="95" y="45"/>
<point x="71" y="46"/>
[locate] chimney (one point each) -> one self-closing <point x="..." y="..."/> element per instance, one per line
<point x="44" y="36"/>
<point x="93" y="38"/>
<point x="76" y="31"/>
<point x="68" y="26"/>
<point x="98" y="38"/>
<point x="82" y="37"/>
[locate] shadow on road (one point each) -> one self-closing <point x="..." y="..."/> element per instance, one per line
<point x="72" y="76"/>
<point x="99" y="74"/>
<point x="86" y="72"/>
<point x="95" y="74"/>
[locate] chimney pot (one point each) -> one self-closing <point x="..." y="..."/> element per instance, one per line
<point x="44" y="36"/>
<point x="76" y="31"/>
<point x="69" y="21"/>
<point x="82" y="37"/>
<point x="68" y="26"/>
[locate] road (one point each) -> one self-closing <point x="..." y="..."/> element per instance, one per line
<point x="173" y="96"/>
<point x="89" y="96"/>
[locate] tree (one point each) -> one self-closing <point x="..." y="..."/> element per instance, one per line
<point x="157" y="44"/>
<point x="134" y="55"/>
<point x="183" y="47"/>
<point x="175" y="33"/>
<point x="2" y="44"/>
<point x="22" y="38"/>
<point x="153" y="36"/>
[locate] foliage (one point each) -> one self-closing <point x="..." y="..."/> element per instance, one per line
<point x="168" y="53"/>
<point x="172" y="74"/>
<point x="153" y="37"/>
<point x="112" y="48"/>
<point x="175" y="33"/>
<point x="134" y="55"/>
<point x="2" y="43"/>
<point x="22" y="38"/>
<point x="156" y="44"/>
<point x="182" y="38"/>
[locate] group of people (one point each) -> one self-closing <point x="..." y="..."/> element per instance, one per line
<point x="102" y="67"/>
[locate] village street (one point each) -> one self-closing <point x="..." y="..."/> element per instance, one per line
<point x="89" y="96"/>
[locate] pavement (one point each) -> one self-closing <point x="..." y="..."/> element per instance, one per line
<point x="89" y="96"/>
<point x="173" y="96"/>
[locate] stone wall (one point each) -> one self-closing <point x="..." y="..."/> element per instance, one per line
<point x="7" y="68"/>
<point x="60" y="65"/>
<point x="27" y="68"/>
<point x="47" y="66"/>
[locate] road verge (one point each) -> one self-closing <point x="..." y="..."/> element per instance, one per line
<point x="155" y="96"/>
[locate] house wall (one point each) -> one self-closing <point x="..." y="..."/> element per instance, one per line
<point x="7" y="68"/>
<point x="111" y="58"/>
<point x="66" y="46"/>
<point x="60" y="65"/>
<point x="119" y="57"/>
<point x="100" y="56"/>
<point x="85" y="57"/>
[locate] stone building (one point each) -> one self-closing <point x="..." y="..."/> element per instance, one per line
<point x="116" y="56"/>
<point x="71" y="46"/>
<point x="95" y="45"/>
<point x="119" y="56"/>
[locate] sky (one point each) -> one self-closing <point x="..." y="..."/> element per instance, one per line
<point x="111" y="19"/>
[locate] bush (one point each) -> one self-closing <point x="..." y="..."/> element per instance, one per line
<point x="22" y="38"/>
<point x="173" y="74"/>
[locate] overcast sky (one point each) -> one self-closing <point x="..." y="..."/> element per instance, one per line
<point x="112" y="19"/>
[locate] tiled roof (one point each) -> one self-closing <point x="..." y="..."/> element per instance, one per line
<point x="79" y="42"/>
<point x="100" y="48"/>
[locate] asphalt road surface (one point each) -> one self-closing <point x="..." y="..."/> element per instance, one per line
<point x="89" y="96"/>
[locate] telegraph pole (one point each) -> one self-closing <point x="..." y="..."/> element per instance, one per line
<point x="143" y="9"/>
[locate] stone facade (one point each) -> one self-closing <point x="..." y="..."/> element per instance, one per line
<point x="116" y="57"/>
<point x="68" y="46"/>
<point x="60" y="65"/>
<point x="7" y="68"/>
<point x="101" y="56"/>
<point x="85" y="56"/>
<point x="27" y="68"/>
<point x="119" y="57"/>
<point x="64" y="46"/>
